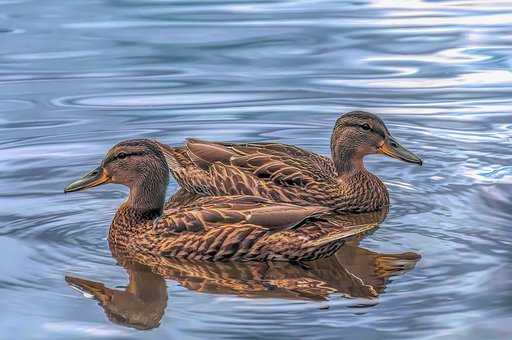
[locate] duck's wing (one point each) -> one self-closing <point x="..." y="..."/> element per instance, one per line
<point x="210" y="212"/>
<point x="277" y="171"/>
<point x="286" y="165"/>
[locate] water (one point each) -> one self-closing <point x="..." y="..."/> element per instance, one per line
<point x="78" y="76"/>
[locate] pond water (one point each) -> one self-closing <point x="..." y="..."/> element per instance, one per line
<point x="76" y="77"/>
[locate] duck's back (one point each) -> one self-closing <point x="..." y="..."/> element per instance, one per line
<point x="283" y="173"/>
<point x="280" y="172"/>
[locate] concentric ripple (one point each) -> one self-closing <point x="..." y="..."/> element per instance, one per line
<point x="76" y="77"/>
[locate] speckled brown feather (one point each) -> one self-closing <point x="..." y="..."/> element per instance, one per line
<point x="283" y="173"/>
<point x="240" y="228"/>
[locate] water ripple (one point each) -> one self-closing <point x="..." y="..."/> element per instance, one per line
<point x="77" y="77"/>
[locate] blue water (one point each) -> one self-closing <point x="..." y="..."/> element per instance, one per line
<point x="76" y="77"/>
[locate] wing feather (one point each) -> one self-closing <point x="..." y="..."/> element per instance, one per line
<point x="213" y="212"/>
<point x="284" y="165"/>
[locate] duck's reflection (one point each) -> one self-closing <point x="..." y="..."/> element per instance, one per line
<point x="140" y="305"/>
<point x="353" y="271"/>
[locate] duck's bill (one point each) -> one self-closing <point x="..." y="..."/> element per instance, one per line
<point x="392" y="148"/>
<point x="92" y="179"/>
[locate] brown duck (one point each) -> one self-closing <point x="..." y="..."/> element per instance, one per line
<point x="210" y="228"/>
<point x="286" y="173"/>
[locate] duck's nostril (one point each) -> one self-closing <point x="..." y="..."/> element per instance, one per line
<point x="393" y="144"/>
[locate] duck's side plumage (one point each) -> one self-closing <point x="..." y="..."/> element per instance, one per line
<point x="234" y="228"/>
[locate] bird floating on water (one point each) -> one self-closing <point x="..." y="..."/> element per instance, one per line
<point x="244" y="228"/>
<point x="286" y="173"/>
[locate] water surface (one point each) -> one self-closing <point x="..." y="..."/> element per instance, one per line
<point x="76" y="77"/>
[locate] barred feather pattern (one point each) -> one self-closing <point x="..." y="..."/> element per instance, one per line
<point x="238" y="228"/>
<point x="283" y="173"/>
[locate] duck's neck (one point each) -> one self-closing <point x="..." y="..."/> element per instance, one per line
<point x="347" y="164"/>
<point x="346" y="159"/>
<point x="147" y="195"/>
<point x="144" y="203"/>
<point x="358" y="189"/>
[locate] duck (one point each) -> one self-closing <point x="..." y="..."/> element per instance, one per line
<point x="210" y="228"/>
<point x="287" y="173"/>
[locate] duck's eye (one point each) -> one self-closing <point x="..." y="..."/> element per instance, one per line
<point x="121" y="155"/>
<point x="366" y="127"/>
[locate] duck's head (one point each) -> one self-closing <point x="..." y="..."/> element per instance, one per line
<point x="357" y="134"/>
<point x="138" y="164"/>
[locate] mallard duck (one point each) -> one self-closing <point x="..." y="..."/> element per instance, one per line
<point x="286" y="173"/>
<point x="210" y="228"/>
